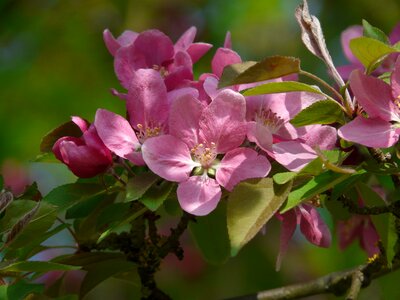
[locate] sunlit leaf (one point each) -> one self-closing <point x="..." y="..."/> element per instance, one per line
<point x="282" y="178"/>
<point x="156" y="195"/>
<point x="268" y="68"/>
<point x="320" y="112"/>
<point x="374" y="32"/>
<point x="66" y="129"/>
<point x="139" y="184"/>
<point x="250" y="205"/>
<point x="211" y="235"/>
<point x="281" y="87"/>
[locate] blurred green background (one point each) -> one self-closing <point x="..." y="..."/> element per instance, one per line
<point x="53" y="64"/>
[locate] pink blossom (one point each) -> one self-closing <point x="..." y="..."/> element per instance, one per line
<point x="381" y="102"/>
<point x="269" y="128"/>
<point x="86" y="156"/>
<point x="15" y="175"/>
<point x="311" y="224"/>
<point x="190" y="154"/>
<point x="152" y="49"/>
<point x="358" y="227"/>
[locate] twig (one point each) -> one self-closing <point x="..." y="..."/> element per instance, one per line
<point x="356" y="283"/>
<point x="69" y="229"/>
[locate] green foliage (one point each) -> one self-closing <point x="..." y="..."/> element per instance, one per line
<point x="370" y="51"/>
<point x="320" y="112"/>
<point x="374" y="32"/>
<point x="269" y="68"/>
<point x="139" y="184"/>
<point x="154" y="197"/>
<point x="67" y="129"/>
<point x="250" y="205"/>
<point x="281" y="87"/>
<point x="22" y="289"/>
<point x="211" y="235"/>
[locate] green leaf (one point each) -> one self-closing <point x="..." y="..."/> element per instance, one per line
<point x="66" y="129"/>
<point x="5" y="200"/>
<point x="374" y="32"/>
<point x="21" y="289"/>
<point x="211" y="235"/>
<point x="281" y="87"/>
<point x="102" y="270"/>
<point x="313" y="187"/>
<point x="15" y="212"/>
<point x="156" y="195"/>
<point x="114" y="213"/>
<point x="250" y="205"/>
<point x="282" y="178"/>
<point x="139" y="184"/>
<point x="320" y="112"/>
<point x="87" y="258"/>
<point x="370" y="51"/>
<point x="37" y="266"/>
<point x="268" y="68"/>
<point x="83" y="208"/>
<point x="347" y="184"/>
<point x="68" y="195"/>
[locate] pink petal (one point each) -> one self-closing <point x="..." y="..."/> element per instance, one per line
<point x="168" y="157"/>
<point x="223" y="121"/>
<point x="179" y="72"/>
<point x="350" y="33"/>
<point x="125" y="39"/>
<point x="199" y="195"/>
<point x="81" y="123"/>
<point x="155" y="47"/>
<point x="260" y="134"/>
<point x="56" y="146"/>
<point x="394" y="36"/>
<point x="186" y="39"/>
<point x="177" y="93"/>
<point x="228" y="40"/>
<point x="293" y="155"/>
<point x="346" y="70"/>
<point x="323" y="137"/>
<point x="289" y="224"/>
<point x="349" y="230"/>
<point x="147" y="102"/>
<point x="369" y="132"/>
<point x="241" y="164"/>
<point x="374" y="95"/>
<point x="84" y="161"/>
<point x="124" y="65"/>
<point x="313" y="227"/>
<point x="395" y="81"/>
<point x="369" y="238"/>
<point x="116" y="133"/>
<point x="184" y="119"/>
<point x="222" y="58"/>
<point x="197" y="50"/>
<point x="211" y="87"/>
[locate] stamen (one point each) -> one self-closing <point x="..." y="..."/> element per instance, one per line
<point x="269" y="119"/>
<point x="145" y="133"/>
<point x="205" y="155"/>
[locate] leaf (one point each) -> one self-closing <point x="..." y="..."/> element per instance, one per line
<point x="102" y="270"/>
<point x="83" y="208"/>
<point x="211" y="235"/>
<point x="269" y="68"/>
<point x="347" y="184"/>
<point x="320" y="112"/>
<point x="281" y="87"/>
<point x="250" y="205"/>
<point x="370" y="51"/>
<point x="37" y="266"/>
<point x="21" y="289"/>
<point x="139" y="184"/>
<point x="67" y="129"/>
<point x="313" y="187"/>
<point x="282" y="178"/>
<point x="87" y="258"/>
<point x="114" y="213"/>
<point x="374" y="32"/>
<point x="156" y="195"/>
<point x="15" y="211"/>
<point x="5" y="199"/>
<point x="68" y="195"/>
<point x="21" y="224"/>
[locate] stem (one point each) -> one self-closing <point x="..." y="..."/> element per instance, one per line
<point x="116" y="176"/>
<point x="69" y="229"/>
<point x="356" y="283"/>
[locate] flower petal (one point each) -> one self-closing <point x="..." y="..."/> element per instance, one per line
<point x="369" y="132"/>
<point x="197" y="50"/>
<point x="293" y="155"/>
<point x="395" y="81"/>
<point x="168" y="157"/>
<point x="116" y="133"/>
<point x="186" y="39"/>
<point x="289" y="224"/>
<point x="374" y="95"/>
<point x="322" y="136"/>
<point x="184" y="119"/>
<point x="313" y="227"/>
<point x="199" y="195"/>
<point x="81" y="123"/>
<point x="222" y="58"/>
<point x="260" y="134"/>
<point x="223" y="121"/>
<point x="147" y="102"/>
<point x="241" y="164"/>
<point x="350" y="33"/>
<point x="125" y="39"/>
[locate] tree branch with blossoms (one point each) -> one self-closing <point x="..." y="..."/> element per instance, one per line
<point x="224" y="153"/>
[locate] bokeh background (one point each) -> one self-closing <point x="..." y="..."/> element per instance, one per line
<point x="53" y="64"/>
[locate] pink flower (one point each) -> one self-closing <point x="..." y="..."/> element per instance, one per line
<point x="148" y="109"/>
<point x="190" y="154"/>
<point x="357" y="31"/>
<point x="16" y="176"/>
<point x="311" y="224"/>
<point x="269" y="128"/>
<point x="152" y="49"/>
<point x="358" y="227"/>
<point x="381" y="102"/>
<point x="86" y="156"/>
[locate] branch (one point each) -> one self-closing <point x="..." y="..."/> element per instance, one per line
<point x="336" y="283"/>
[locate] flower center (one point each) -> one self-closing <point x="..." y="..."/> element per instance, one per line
<point x="145" y="133"/>
<point x="269" y="119"/>
<point x="162" y="70"/>
<point x="204" y="154"/>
